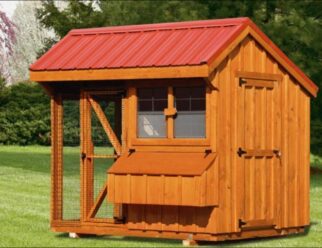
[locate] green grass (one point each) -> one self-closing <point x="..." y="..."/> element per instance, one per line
<point x="24" y="206"/>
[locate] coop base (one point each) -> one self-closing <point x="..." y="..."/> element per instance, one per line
<point x="121" y="230"/>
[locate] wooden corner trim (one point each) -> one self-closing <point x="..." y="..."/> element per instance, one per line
<point x="194" y="71"/>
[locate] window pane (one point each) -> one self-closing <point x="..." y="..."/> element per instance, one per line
<point x="182" y="92"/>
<point x="191" y="105"/>
<point x="151" y="125"/>
<point x="182" y="105"/>
<point x="198" y="104"/>
<point x="198" y="92"/>
<point x="145" y="105"/>
<point x="160" y="105"/>
<point x="190" y="125"/>
<point x="160" y="93"/>
<point x="145" y="93"/>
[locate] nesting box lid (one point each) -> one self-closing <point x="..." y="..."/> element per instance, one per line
<point x="163" y="163"/>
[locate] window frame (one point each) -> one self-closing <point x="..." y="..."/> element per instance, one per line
<point x="170" y="139"/>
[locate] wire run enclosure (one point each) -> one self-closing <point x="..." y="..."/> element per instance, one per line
<point x="195" y="130"/>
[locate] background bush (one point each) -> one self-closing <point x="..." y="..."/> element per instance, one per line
<point x="24" y="115"/>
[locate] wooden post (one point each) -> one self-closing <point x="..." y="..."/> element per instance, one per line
<point x="56" y="158"/>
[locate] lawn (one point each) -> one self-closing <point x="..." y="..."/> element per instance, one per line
<point x="24" y="207"/>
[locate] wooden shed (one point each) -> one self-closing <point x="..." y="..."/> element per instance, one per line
<point x="211" y="131"/>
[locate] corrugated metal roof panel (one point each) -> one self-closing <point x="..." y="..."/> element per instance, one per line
<point x="152" y="45"/>
<point x="166" y="44"/>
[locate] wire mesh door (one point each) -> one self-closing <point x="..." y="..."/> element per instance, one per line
<point x="100" y="135"/>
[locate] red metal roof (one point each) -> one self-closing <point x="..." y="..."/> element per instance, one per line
<point x="151" y="45"/>
<point x="166" y="44"/>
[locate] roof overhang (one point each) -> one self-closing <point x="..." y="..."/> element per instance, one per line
<point x="195" y="71"/>
<point x="203" y="70"/>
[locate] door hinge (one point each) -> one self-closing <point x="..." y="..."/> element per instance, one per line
<point x="242" y="81"/>
<point x="241" y="152"/>
<point x="241" y="223"/>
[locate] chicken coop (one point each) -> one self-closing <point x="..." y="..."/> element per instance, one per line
<point x="210" y="132"/>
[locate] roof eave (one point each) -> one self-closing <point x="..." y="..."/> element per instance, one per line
<point x="189" y="71"/>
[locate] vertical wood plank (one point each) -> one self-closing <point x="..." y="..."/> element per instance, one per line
<point x="188" y="192"/>
<point x="301" y="157"/>
<point x="306" y="165"/>
<point x="235" y="59"/>
<point x="138" y="189"/>
<point x="172" y="190"/>
<point x="111" y="188"/>
<point x="136" y="216"/>
<point x="153" y="217"/>
<point x="285" y="114"/>
<point x="277" y="143"/>
<point x="155" y="189"/>
<point x="132" y="114"/>
<point x="170" y="218"/>
<point x="241" y="140"/>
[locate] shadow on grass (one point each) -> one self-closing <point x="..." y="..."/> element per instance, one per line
<point x="247" y="242"/>
<point x="256" y="241"/>
<point x="123" y="238"/>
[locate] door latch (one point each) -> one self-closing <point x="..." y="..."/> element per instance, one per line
<point x="241" y="152"/>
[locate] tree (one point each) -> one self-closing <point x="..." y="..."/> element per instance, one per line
<point x="7" y="39"/>
<point x="30" y="38"/>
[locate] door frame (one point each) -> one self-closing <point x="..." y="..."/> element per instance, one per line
<point x="89" y="205"/>
<point x="268" y="80"/>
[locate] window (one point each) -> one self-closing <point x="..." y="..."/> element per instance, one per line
<point x="181" y="116"/>
<point x="190" y="119"/>
<point x="151" y="119"/>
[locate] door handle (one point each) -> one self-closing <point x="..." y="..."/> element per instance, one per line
<point x="241" y="152"/>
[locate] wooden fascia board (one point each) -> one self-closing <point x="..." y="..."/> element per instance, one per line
<point x="274" y="51"/>
<point x="196" y="71"/>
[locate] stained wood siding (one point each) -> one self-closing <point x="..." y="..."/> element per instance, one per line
<point x="290" y="181"/>
<point x="164" y="189"/>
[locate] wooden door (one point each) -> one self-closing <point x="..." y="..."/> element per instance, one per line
<point x="259" y="151"/>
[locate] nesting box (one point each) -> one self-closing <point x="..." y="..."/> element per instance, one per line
<point x="211" y="132"/>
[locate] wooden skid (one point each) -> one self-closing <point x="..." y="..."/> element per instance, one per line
<point x="121" y="230"/>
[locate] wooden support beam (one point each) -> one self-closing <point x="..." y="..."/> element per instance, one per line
<point x="98" y="202"/>
<point x="106" y="125"/>
<point x="192" y="71"/>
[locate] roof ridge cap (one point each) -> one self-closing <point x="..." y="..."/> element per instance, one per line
<point x="163" y="26"/>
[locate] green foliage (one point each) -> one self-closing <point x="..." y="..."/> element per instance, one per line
<point x="24" y="115"/>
